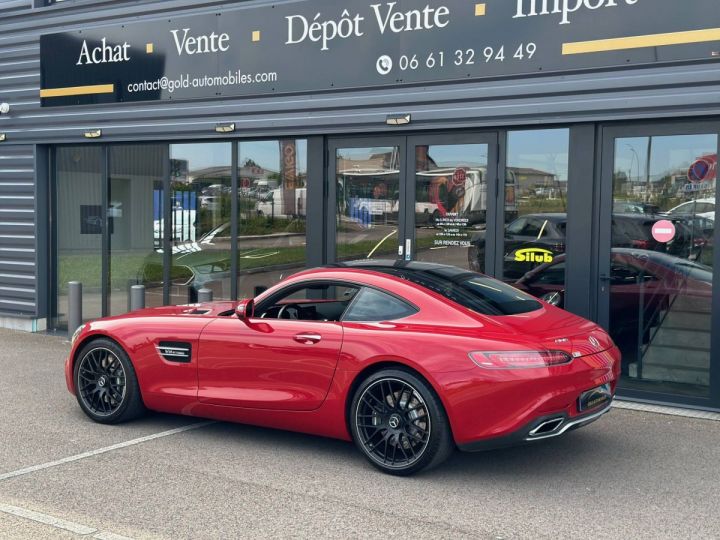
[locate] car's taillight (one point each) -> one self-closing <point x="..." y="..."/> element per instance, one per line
<point x="520" y="359"/>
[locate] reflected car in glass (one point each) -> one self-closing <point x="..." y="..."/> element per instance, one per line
<point x="701" y="207"/>
<point x="536" y="239"/>
<point x="408" y="360"/>
<point x="645" y="286"/>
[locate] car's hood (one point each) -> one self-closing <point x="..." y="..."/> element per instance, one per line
<point x="208" y="309"/>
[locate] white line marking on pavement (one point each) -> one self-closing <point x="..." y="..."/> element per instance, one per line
<point x="47" y="520"/>
<point x="58" y="523"/>
<point x="91" y="453"/>
<point x="110" y="536"/>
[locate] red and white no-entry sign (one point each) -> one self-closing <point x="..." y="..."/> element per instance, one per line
<point x="663" y="231"/>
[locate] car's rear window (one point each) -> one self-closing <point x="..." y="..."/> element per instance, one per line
<point x="473" y="291"/>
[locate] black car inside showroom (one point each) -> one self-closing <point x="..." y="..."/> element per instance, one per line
<point x="568" y="148"/>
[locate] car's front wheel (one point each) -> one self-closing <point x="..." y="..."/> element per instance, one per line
<point x="105" y="383"/>
<point x="399" y="423"/>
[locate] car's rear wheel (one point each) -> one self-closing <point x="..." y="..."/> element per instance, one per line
<point x="399" y="424"/>
<point x="105" y="383"/>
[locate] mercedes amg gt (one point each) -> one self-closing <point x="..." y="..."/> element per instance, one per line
<point x="408" y="360"/>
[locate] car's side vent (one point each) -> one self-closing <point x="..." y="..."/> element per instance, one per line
<point x="175" y="351"/>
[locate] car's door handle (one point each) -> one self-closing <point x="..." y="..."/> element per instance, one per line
<point x="308" y="339"/>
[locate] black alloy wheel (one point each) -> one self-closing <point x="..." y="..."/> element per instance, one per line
<point x="399" y="423"/>
<point x="105" y="383"/>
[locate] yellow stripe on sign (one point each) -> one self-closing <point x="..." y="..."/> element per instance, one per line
<point x="638" y="42"/>
<point x="77" y="91"/>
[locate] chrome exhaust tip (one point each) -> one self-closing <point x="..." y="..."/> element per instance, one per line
<point x="547" y="427"/>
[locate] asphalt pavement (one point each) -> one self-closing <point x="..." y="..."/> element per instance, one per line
<point x="630" y="475"/>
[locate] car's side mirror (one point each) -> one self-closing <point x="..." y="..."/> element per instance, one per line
<point x="244" y="309"/>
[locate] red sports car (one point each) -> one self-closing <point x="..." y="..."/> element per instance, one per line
<point x="408" y="360"/>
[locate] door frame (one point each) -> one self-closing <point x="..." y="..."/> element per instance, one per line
<point x="406" y="143"/>
<point x="608" y="134"/>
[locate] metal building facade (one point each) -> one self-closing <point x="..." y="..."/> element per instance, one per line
<point x="589" y="101"/>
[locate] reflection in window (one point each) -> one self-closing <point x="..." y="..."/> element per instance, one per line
<point x="79" y="177"/>
<point x="536" y="191"/>
<point x="135" y="217"/>
<point x="200" y="213"/>
<point x="451" y="204"/>
<point x="368" y="193"/>
<point x="661" y="273"/>
<point x="272" y="212"/>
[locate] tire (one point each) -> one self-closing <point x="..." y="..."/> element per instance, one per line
<point x="399" y="424"/>
<point x="106" y="386"/>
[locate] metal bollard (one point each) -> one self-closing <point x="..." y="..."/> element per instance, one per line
<point x="205" y="295"/>
<point x="137" y="297"/>
<point x="75" y="317"/>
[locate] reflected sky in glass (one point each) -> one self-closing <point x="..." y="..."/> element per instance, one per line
<point x="546" y="150"/>
<point x="671" y="155"/>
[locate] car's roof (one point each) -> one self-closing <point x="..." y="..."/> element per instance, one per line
<point x="637" y="217"/>
<point x="443" y="270"/>
<point x="705" y="200"/>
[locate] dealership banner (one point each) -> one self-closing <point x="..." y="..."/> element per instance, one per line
<point x="320" y="45"/>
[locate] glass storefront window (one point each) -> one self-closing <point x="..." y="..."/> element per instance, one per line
<point x="79" y="228"/>
<point x="368" y="202"/>
<point x="661" y="271"/>
<point x="200" y="214"/>
<point x="135" y="221"/>
<point x="536" y="190"/>
<point x="451" y="204"/>
<point x="272" y="212"/>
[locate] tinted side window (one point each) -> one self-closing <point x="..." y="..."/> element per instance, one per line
<point x="374" y="305"/>
<point x="516" y="226"/>
<point x="474" y="291"/>
<point x="316" y="302"/>
<point x="705" y="207"/>
<point x="534" y="227"/>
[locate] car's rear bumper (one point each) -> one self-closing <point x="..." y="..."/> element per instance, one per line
<point x="486" y="406"/>
<point x="561" y="423"/>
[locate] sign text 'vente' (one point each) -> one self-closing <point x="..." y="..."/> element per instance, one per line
<point x="387" y="17"/>
<point x="202" y="44"/>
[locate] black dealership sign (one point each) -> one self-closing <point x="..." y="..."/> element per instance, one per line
<point x="319" y="45"/>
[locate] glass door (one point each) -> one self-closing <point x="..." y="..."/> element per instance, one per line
<point x="426" y="197"/>
<point x="365" y="195"/>
<point x="79" y="229"/>
<point x="451" y="199"/>
<point x="657" y="257"/>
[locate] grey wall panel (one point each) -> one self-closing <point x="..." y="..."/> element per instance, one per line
<point x="17" y="230"/>
<point x="8" y="7"/>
